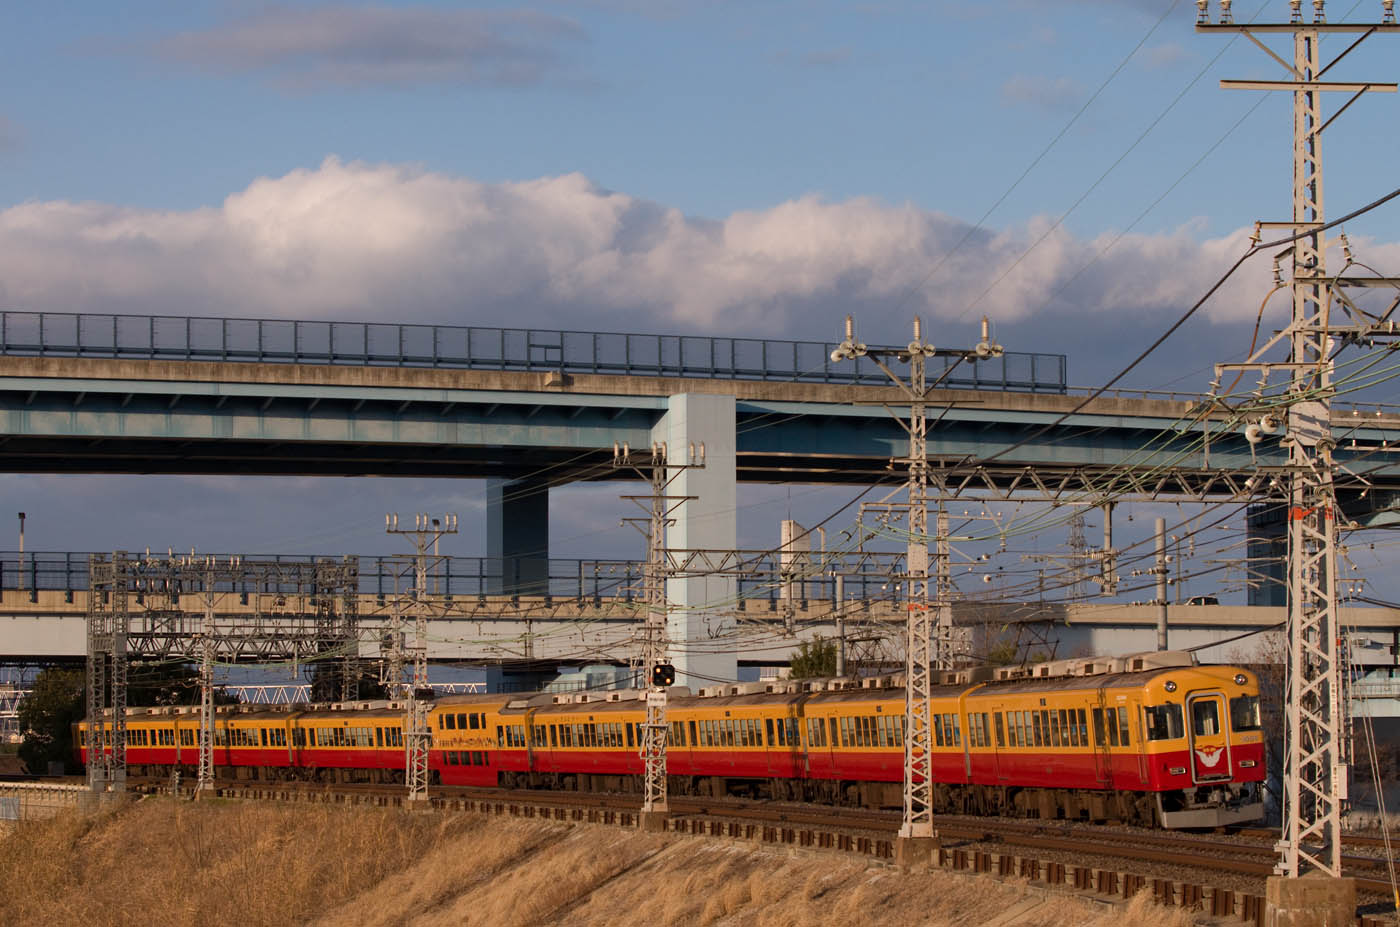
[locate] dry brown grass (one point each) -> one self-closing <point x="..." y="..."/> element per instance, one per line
<point x="160" y="862"/>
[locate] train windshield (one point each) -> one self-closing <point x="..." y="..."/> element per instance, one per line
<point x="1164" y="722"/>
<point x="1244" y="713"/>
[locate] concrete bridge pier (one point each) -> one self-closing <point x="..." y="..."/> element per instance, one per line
<point x="517" y="536"/>
<point x="700" y="619"/>
<point x="1267" y="533"/>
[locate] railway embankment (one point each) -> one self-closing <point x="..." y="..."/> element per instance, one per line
<point x="165" y="862"/>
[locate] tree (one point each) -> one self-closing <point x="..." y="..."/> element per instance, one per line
<point x="1002" y="653"/>
<point x="46" y="718"/>
<point x="816" y="657"/>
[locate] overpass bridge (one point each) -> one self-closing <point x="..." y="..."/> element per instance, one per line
<point x="526" y="640"/>
<point x="528" y="410"/>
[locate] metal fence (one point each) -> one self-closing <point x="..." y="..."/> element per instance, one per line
<point x="385" y="576"/>
<point x="376" y="344"/>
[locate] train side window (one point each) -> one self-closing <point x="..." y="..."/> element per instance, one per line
<point x="1205" y="717"/>
<point x="1244" y="713"/>
<point x="1039" y="738"/>
<point x="1164" y="722"/>
<point x="835" y="735"/>
<point x="1123" y="726"/>
<point x="1067" y="738"/>
<point x="447" y="723"/>
<point x="1083" y="728"/>
<point x="467" y="721"/>
<point x="1001" y="729"/>
<point x="1100" y="734"/>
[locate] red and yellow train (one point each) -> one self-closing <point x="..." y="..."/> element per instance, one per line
<point x="1151" y="738"/>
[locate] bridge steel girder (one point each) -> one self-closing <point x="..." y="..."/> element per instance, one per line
<point x="92" y="415"/>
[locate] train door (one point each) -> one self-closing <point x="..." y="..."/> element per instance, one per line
<point x="1105" y="729"/>
<point x="999" y="741"/>
<point x="1210" y="748"/>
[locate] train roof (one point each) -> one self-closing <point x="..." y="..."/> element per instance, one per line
<point x="482" y="699"/>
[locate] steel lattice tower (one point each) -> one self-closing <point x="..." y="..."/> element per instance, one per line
<point x="661" y="508"/>
<point x="417" y="739"/>
<point x="1315" y="777"/>
<point x="929" y="643"/>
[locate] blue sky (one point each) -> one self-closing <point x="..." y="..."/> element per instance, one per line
<point x="707" y="107"/>
<point x="866" y="138"/>
<point x="755" y="168"/>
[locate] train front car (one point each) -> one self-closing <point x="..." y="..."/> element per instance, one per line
<point x="1203" y="746"/>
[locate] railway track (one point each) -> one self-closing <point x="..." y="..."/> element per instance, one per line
<point x="1246" y="853"/>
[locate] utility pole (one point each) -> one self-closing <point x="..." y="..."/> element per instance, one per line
<point x="840" y="603"/>
<point x="928" y="643"/>
<point x="425" y="533"/>
<point x="1160" y="570"/>
<point x="656" y="667"/>
<point x="21" y="551"/>
<point x="1315" y="779"/>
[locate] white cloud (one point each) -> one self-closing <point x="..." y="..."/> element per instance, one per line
<point x="341" y="45"/>
<point x="1049" y="92"/>
<point x="392" y="243"/>
<point x="1159" y="57"/>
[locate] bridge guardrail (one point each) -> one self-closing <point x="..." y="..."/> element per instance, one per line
<point x="454" y="576"/>
<point x="384" y="344"/>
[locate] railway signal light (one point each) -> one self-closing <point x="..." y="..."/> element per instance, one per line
<point x="663" y="674"/>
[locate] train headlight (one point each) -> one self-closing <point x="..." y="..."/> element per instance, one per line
<point x="1170" y="686"/>
<point x="1241" y="679"/>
